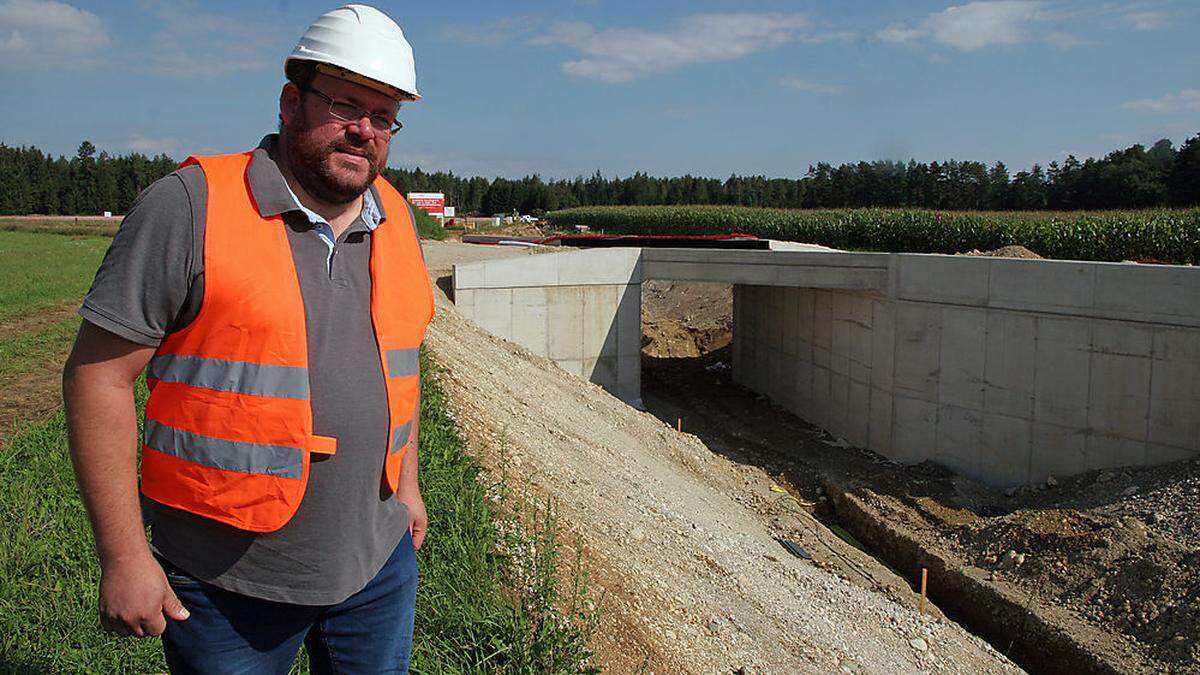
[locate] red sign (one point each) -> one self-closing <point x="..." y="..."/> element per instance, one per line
<point x="433" y="202"/>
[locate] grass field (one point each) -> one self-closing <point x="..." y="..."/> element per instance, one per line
<point x="77" y="226"/>
<point x="494" y="596"/>
<point x="38" y="270"/>
<point x="20" y="352"/>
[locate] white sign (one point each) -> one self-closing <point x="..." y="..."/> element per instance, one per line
<point x="432" y="202"/>
<point x="448" y="211"/>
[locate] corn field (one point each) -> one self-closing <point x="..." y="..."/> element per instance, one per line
<point x="1167" y="235"/>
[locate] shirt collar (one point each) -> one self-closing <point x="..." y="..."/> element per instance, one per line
<point x="274" y="196"/>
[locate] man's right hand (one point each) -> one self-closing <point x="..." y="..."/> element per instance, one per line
<point x="135" y="598"/>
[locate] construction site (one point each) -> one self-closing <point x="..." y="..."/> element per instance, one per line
<point x="787" y="458"/>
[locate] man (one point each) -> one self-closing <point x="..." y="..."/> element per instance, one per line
<point x="276" y="300"/>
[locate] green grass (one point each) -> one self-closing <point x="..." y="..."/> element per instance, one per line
<point x="20" y="353"/>
<point x="494" y="596"/>
<point x="96" y="226"/>
<point x="492" y="599"/>
<point x="428" y="226"/>
<point x="48" y="568"/>
<point x="1168" y="235"/>
<point x="42" y="270"/>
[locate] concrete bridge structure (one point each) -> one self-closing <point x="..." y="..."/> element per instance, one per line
<point x="1004" y="370"/>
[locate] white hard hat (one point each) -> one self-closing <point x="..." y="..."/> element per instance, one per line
<point x="361" y="44"/>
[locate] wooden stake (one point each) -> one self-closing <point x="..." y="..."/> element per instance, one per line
<point x="924" y="585"/>
<point x="679" y="424"/>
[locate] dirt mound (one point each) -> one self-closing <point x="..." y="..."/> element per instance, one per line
<point x="685" y="319"/>
<point x="675" y="339"/>
<point x="1118" y="548"/>
<point x="696" y="303"/>
<point x="1006" y="252"/>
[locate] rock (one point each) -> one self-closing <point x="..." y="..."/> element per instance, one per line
<point x="638" y="533"/>
<point x="1051" y="481"/>
<point x="1129" y="491"/>
<point x="919" y="644"/>
<point x="1019" y="559"/>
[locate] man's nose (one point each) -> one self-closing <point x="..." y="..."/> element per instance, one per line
<point x="364" y="128"/>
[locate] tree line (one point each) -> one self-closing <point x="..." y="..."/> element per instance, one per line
<point x="33" y="182"/>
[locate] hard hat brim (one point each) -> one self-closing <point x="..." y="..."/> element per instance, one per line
<point x="351" y="76"/>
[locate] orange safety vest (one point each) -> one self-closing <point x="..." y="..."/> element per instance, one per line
<point x="229" y="427"/>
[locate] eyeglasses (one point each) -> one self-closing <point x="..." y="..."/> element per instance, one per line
<point x="348" y="112"/>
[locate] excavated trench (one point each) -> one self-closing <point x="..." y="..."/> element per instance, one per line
<point x="1002" y="614"/>
<point x="1006" y="618"/>
<point x="686" y="380"/>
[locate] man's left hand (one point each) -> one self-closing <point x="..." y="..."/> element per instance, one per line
<point x="418" y="519"/>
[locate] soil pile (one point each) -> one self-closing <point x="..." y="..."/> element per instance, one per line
<point x="1117" y="548"/>
<point x="685" y="319"/>
<point x="1006" y="252"/>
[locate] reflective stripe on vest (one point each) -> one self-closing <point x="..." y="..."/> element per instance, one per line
<point x="400" y="436"/>
<point x="403" y="362"/>
<point x="253" y="458"/>
<point x="241" y="377"/>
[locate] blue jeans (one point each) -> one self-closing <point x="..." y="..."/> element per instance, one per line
<point x="369" y="632"/>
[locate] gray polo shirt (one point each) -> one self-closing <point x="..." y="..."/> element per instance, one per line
<point x="151" y="283"/>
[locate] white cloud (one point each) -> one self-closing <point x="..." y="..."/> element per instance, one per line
<point x="1146" y="21"/>
<point x="152" y="146"/>
<point x="986" y="23"/>
<point x="1061" y="40"/>
<point x="822" y="38"/>
<point x="900" y="34"/>
<point x="194" y="43"/>
<point x="490" y="33"/>
<point x="625" y="54"/>
<point x="801" y="84"/>
<point x="1187" y="100"/>
<point x="48" y="34"/>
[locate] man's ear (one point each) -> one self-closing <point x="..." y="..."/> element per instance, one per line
<point x="289" y="103"/>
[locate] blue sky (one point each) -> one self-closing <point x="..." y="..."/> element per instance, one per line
<point x="570" y="87"/>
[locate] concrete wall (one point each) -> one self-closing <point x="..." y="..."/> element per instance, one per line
<point x="810" y="269"/>
<point x="582" y="309"/>
<point x="1004" y="370"/>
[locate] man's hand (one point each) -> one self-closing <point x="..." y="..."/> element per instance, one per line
<point x="418" y="519"/>
<point x="135" y="598"/>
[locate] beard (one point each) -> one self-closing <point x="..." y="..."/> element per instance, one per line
<point x="322" y="175"/>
